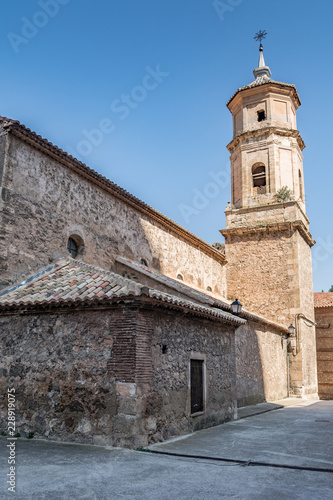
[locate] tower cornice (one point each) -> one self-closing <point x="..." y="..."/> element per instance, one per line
<point x="268" y="207"/>
<point x="259" y="86"/>
<point x="284" y="132"/>
<point x="297" y="225"/>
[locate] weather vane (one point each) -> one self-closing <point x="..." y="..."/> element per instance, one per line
<point x="260" y="36"/>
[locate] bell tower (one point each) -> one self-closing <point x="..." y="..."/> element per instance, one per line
<point x="267" y="238"/>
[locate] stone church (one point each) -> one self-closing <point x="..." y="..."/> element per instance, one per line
<point x="116" y="323"/>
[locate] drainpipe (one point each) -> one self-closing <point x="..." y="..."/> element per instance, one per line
<point x="288" y="373"/>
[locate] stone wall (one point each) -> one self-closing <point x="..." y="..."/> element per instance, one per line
<point x="305" y="326"/>
<point x="44" y="202"/>
<point x="260" y="267"/>
<point x="117" y="376"/>
<point x="58" y="365"/>
<point x="270" y="272"/>
<point x="261" y="364"/>
<point x="169" y="403"/>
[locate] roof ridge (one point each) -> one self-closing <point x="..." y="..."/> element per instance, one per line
<point x="36" y="277"/>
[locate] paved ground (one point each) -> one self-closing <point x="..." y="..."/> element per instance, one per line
<point x="296" y="436"/>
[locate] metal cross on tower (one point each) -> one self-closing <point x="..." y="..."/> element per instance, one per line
<point x="260" y="36"/>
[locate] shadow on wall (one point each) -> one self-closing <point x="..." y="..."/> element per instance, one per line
<point x="261" y="365"/>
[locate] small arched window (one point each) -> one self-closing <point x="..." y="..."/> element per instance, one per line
<point x="143" y="262"/>
<point x="180" y="277"/>
<point x="72" y="247"/>
<point x="259" y="177"/>
<point x="75" y="245"/>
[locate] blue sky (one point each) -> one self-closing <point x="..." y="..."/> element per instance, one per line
<point x="70" y="67"/>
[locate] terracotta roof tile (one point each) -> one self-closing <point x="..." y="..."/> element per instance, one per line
<point x="323" y="299"/>
<point x="61" y="285"/>
<point x="267" y="81"/>
<point x="66" y="281"/>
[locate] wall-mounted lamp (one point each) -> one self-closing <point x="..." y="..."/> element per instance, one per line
<point x="291" y="337"/>
<point x="236" y="307"/>
<point x="292" y="330"/>
<point x="294" y="333"/>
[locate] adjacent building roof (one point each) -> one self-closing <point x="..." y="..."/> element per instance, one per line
<point x="323" y="299"/>
<point x="8" y="125"/>
<point x="71" y="283"/>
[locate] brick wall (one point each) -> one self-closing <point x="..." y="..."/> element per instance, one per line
<point x="324" y="336"/>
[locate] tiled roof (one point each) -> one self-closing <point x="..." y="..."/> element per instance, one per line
<point x="263" y="80"/>
<point x="73" y="283"/>
<point x="211" y="311"/>
<point x="69" y="281"/>
<point x="198" y="296"/>
<point x="24" y="133"/>
<point x="323" y="299"/>
<point x="174" y="284"/>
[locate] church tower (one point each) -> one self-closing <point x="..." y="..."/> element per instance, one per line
<point x="267" y="238"/>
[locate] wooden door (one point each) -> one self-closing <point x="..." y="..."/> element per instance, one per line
<point x="197" y="387"/>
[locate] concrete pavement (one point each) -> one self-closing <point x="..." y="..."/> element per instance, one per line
<point x="298" y="435"/>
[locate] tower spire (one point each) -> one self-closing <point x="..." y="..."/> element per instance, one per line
<point x="262" y="71"/>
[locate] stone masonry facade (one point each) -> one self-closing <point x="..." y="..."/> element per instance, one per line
<point x="102" y="376"/>
<point x="268" y="243"/>
<point x="261" y="364"/>
<point x="114" y="346"/>
<point x="45" y="199"/>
